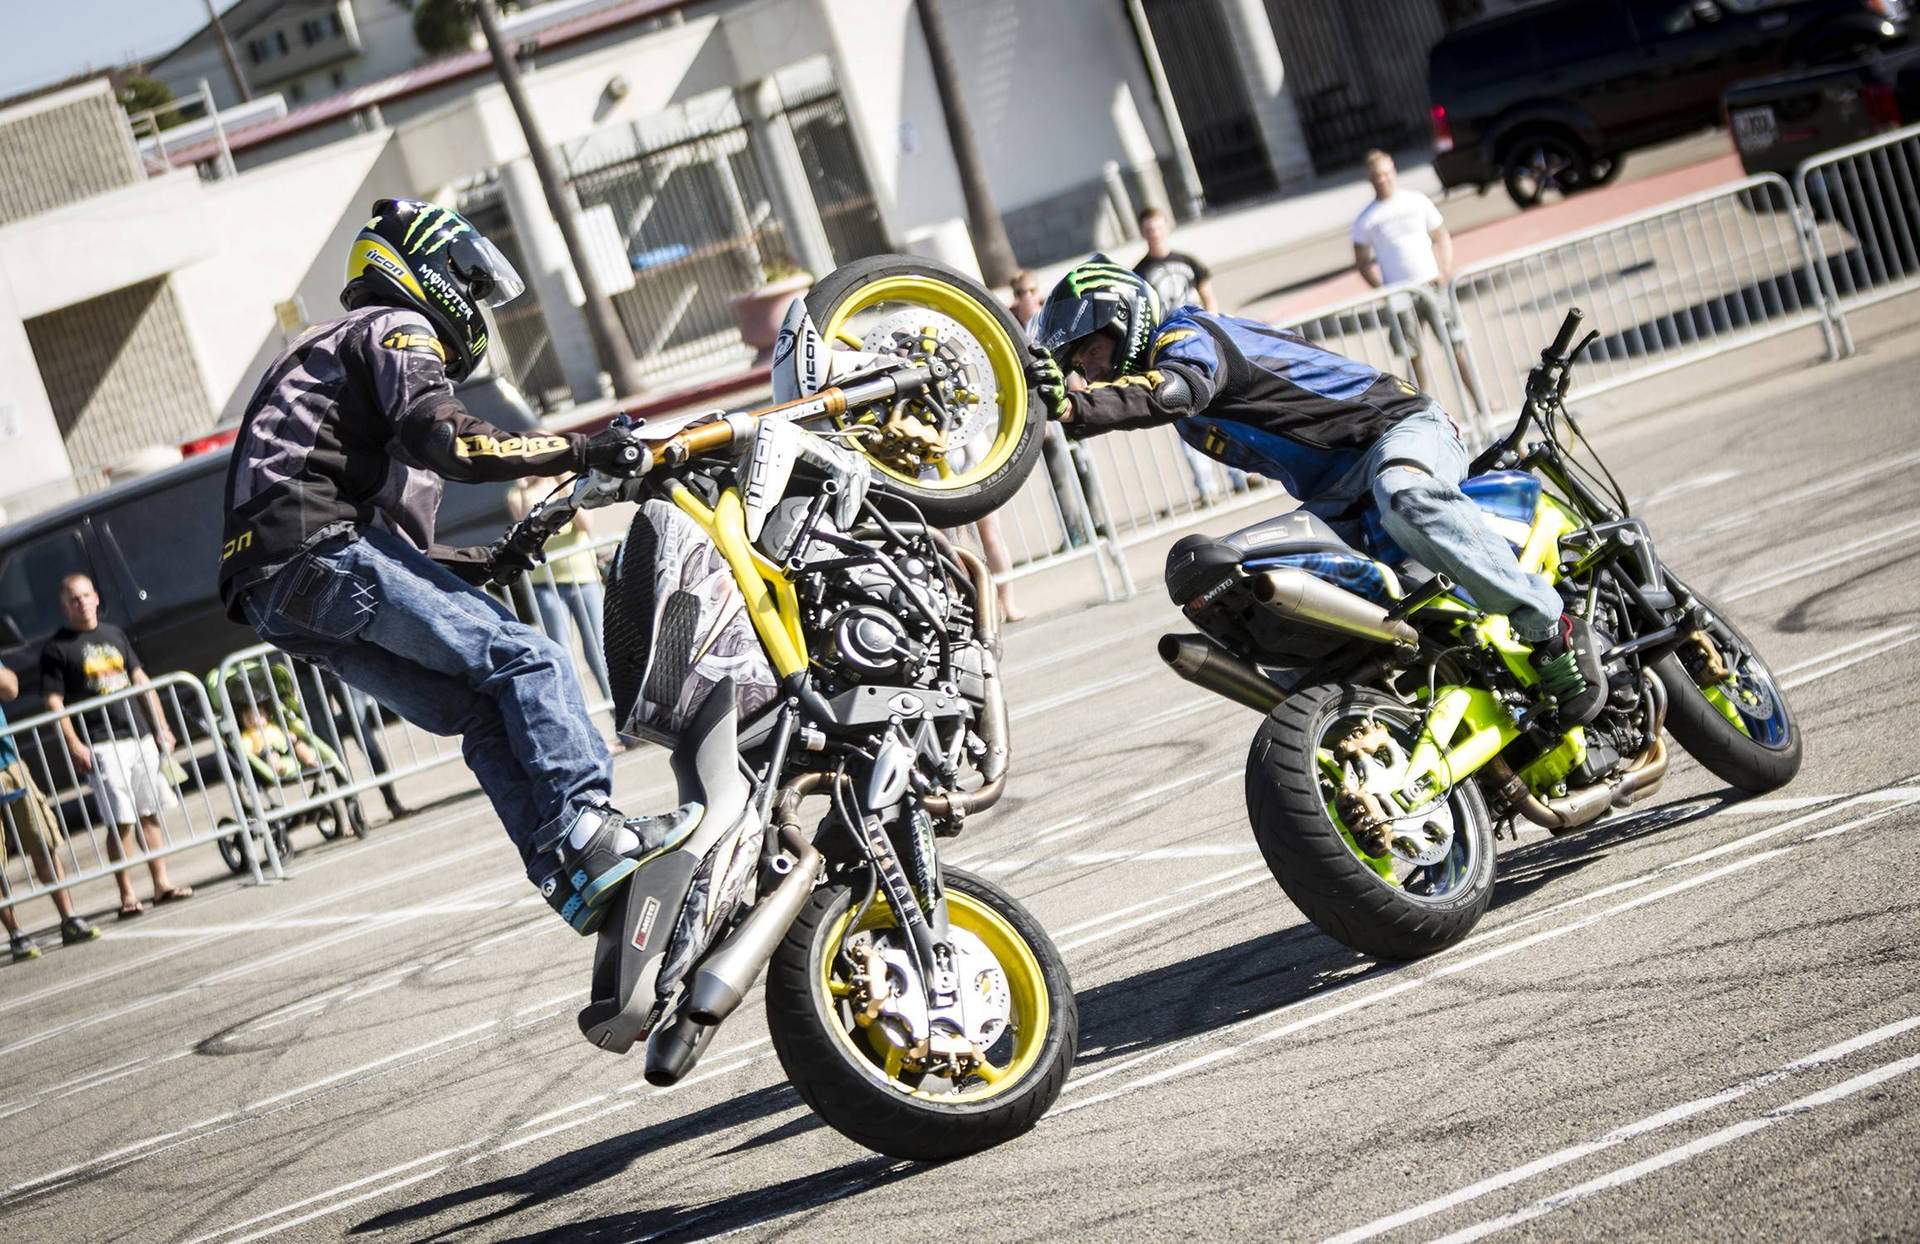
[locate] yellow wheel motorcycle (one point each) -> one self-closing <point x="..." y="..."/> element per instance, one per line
<point x="786" y="614"/>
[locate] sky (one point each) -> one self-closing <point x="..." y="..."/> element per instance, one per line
<point x="49" y="40"/>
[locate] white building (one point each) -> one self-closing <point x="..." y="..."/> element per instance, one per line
<point x="708" y="143"/>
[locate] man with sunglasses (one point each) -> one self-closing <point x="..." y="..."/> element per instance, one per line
<point x="329" y="552"/>
<point x="1337" y="433"/>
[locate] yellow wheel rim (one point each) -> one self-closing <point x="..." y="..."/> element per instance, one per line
<point x="1026" y="985"/>
<point x="1002" y="351"/>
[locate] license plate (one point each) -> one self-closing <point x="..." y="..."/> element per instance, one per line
<point x="1754" y="129"/>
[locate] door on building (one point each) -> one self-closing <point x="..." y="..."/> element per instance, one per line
<point x="1214" y="109"/>
<point x="1358" y="72"/>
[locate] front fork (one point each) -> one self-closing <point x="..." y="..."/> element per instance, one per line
<point x="895" y="834"/>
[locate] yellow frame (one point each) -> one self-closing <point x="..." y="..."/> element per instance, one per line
<point x="772" y="605"/>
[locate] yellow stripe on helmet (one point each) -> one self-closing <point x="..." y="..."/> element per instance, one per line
<point x="371" y="253"/>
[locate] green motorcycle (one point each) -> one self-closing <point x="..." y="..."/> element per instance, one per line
<point x="1403" y="723"/>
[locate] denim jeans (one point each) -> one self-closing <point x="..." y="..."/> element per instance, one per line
<point x="451" y="660"/>
<point x="584" y="602"/>
<point x="1427" y="515"/>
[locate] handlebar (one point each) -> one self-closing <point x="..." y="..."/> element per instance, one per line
<point x="1548" y="379"/>
<point x="529" y="536"/>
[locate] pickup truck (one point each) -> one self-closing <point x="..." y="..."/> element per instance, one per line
<point x="1549" y="97"/>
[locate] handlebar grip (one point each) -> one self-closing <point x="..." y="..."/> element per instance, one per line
<point x="1557" y="352"/>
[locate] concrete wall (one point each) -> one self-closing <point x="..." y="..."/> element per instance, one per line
<point x="30" y="441"/>
<point x="63" y="147"/>
<point x="284" y="232"/>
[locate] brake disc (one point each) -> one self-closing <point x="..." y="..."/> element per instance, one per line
<point x="969" y="395"/>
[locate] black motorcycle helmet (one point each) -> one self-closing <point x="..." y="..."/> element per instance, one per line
<point x="1099" y="297"/>
<point x="419" y="255"/>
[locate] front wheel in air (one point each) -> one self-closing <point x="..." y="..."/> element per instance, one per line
<point x="842" y="1009"/>
<point x="1401" y="881"/>
<point x="961" y="449"/>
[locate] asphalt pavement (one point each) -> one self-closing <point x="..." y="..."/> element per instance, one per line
<point x="1695" y="1020"/>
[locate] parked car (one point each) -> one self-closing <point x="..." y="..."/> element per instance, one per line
<point x="1779" y="122"/>
<point x="1549" y="98"/>
<point x="152" y="548"/>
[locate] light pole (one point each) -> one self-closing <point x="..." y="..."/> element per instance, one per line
<point x="226" y="50"/>
<point x="990" y="244"/>
<point x="609" y="339"/>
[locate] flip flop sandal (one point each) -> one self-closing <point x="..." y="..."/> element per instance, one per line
<point x="176" y="894"/>
<point x="128" y="913"/>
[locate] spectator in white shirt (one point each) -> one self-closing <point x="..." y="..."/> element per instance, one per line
<point x="1399" y="239"/>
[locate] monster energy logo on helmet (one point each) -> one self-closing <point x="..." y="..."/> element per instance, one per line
<point x="1100" y="295"/>
<point x="429" y="259"/>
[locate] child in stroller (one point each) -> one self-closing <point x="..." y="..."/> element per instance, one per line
<point x="290" y="764"/>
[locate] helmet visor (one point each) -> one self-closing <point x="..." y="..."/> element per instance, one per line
<point x="1064" y="321"/>
<point x="484" y="270"/>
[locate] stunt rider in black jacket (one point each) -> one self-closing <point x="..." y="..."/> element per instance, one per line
<point x="329" y="551"/>
<point x="1336" y="433"/>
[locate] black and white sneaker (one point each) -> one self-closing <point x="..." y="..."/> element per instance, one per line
<point x="580" y="869"/>
<point x="75" y="929"/>
<point x="22" y="947"/>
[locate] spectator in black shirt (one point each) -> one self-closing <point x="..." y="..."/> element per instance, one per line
<point x="1180" y="280"/>
<point x="120" y="753"/>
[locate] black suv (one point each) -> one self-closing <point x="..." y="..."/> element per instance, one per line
<point x="1548" y="98"/>
<point x="152" y="548"/>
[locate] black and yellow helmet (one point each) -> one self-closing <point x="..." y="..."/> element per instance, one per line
<point x="418" y="255"/>
<point x="1100" y="296"/>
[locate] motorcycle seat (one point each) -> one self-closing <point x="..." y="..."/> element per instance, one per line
<point x="1197" y="563"/>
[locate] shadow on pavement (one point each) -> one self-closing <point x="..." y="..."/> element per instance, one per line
<point x="582" y="1169"/>
<point x="788" y="1197"/>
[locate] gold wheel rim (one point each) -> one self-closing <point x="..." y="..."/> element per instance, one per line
<point x="1026" y="984"/>
<point x="1003" y="353"/>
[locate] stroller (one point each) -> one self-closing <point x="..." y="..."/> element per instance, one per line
<point x="289" y="762"/>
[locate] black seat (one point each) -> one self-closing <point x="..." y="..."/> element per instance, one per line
<point x="1197" y="563"/>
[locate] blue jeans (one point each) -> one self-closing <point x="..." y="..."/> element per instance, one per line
<point x="1425" y="512"/>
<point x="449" y="659"/>
<point x="555" y="601"/>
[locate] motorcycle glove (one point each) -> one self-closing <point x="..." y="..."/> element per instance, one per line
<point x="1045" y="381"/>
<point x="507" y="561"/>
<point x="614" y="451"/>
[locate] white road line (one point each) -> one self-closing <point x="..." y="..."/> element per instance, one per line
<point x="1163" y="913"/>
<point x="1079" y="693"/>
<point x="1685" y="486"/>
<point x="1082" y="822"/>
<point x="1891" y="632"/>
<point x="1451" y="966"/>
<point x="1149" y="855"/>
<point x="1834" y="667"/>
<point x="1820" y="488"/>
<point x="1866" y="546"/>
<point x="1082" y="650"/>
<point x="1622" y="1134"/>
<point x="1682" y="1153"/>
<point x="1155" y="901"/>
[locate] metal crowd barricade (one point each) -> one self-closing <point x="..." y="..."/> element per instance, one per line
<point x="92" y="761"/>
<point x="1863" y="206"/>
<point x="1667" y="287"/>
<point x="1407" y="330"/>
<point x="1058" y="517"/>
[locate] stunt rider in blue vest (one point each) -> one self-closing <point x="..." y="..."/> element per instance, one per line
<point x="1332" y="430"/>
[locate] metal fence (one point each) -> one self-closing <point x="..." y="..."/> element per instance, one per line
<point x="1683" y="282"/>
<point x="1666" y="287"/>
<point x="98" y="788"/>
<point x="1863" y="205"/>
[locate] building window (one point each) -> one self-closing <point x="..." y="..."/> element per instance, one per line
<point x="296" y="92"/>
<point x="312" y="31"/>
<point x="334" y="25"/>
<point x="339" y="77"/>
<point x="280" y="41"/>
<point x="259" y="51"/>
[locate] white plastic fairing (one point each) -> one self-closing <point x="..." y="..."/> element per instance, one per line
<point x="800" y="362"/>
<point x="771" y="457"/>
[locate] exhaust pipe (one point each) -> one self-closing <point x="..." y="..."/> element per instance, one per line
<point x="1300" y="597"/>
<point x="1559" y="816"/>
<point x="672" y="1051"/>
<point x="1206" y="664"/>
<point x="724" y="977"/>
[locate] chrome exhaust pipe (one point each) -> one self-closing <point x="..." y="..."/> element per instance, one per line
<point x="723" y="977"/>
<point x="1569" y="812"/>
<point x="1206" y="664"/>
<point x="1301" y="597"/>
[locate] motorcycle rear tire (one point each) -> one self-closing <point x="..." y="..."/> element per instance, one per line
<point x="852" y="1093"/>
<point x="1317" y="866"/>
<point x="980" y="490"/>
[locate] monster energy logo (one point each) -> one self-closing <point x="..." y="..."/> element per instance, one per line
<point x="430" y="221"/>
<point x="1096" y="276"/>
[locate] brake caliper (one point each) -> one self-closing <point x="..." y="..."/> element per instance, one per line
<point x="1360" y="809"/>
